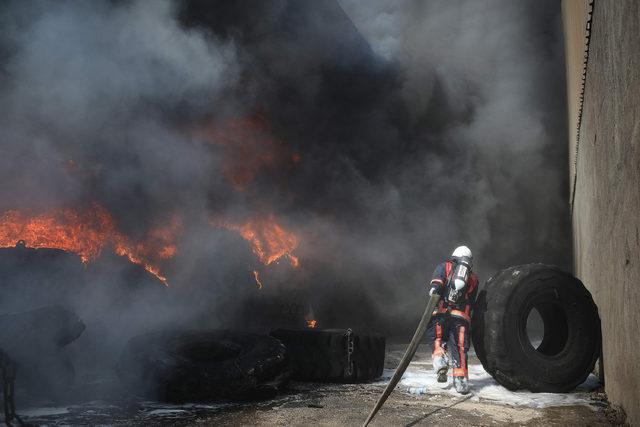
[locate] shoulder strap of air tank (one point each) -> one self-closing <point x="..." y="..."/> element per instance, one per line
<point x="447" y="268"/>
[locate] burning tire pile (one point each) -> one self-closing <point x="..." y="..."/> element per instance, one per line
<point x="169" y="365"/>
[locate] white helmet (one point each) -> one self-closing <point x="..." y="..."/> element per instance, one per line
<point x="462" y="252"/>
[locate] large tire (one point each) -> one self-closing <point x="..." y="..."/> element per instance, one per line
<point x="571" y="342"/>
<point x="333" y="355"/>
<point x="189" y="366"/>
<point x="34" y="341"/>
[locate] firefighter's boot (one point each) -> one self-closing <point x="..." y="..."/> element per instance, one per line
<point x="441" y="366"/>
<point x="461" y="384"/>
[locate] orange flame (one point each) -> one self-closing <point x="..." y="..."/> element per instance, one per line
<point x="86" y="233"/>
<point x="256" y="275"/>
<point x="82" y="233"/>
<point x="269" y="240"/>
<point x="312" y="323"/>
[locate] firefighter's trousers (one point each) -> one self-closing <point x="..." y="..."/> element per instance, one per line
<point x="448" y="332"/>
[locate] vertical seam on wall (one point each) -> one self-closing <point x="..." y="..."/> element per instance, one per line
<point x="581" y="101"/>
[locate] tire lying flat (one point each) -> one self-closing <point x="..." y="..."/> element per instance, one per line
<point x="333" y="355"/>
<point x="189" y="366"/>
<point x="571" y="342"/>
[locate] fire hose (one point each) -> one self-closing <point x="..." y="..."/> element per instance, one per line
<point x="406" y="358"/>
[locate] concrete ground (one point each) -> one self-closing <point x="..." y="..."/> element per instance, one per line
<point x="348" y="404"/>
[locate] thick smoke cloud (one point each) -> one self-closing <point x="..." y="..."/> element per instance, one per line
<point x="499" y="66"/>
<point x="450" y="130"/>
<point x="96" y="84"/>
<point x="418" y="125"/>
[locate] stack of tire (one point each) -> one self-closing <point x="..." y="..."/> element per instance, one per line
<point x="202" y="365"/>
<point x="333" y="355"/>
<point x="205" y="365"/>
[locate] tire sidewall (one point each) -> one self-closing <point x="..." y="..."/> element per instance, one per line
<point x="569" y="367"/>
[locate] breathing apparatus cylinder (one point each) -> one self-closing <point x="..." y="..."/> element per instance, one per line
<point x="459" y="277"/>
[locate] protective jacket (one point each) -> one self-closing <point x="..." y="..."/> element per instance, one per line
<point x="462" y="306"/>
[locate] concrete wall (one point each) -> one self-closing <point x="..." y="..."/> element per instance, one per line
<point x="575" y="14"/>
<point x="606" y="207"/>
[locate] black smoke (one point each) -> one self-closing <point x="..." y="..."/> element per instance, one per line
<point x="419" y="126"/>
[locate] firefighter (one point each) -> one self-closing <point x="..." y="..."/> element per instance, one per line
<point x="448" y="329"/>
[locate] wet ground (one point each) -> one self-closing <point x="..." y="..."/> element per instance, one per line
<point x="419" y="400"/>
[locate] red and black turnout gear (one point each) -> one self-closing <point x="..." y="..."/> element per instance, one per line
<point x="451" y="320"/>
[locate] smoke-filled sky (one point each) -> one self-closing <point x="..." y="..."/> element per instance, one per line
<point x="382" y="133"/>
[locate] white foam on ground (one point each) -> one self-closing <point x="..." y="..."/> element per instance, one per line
<point x="162" y="412"/>
<point x="422" y="380"/>
<point x="43" y="412"/>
